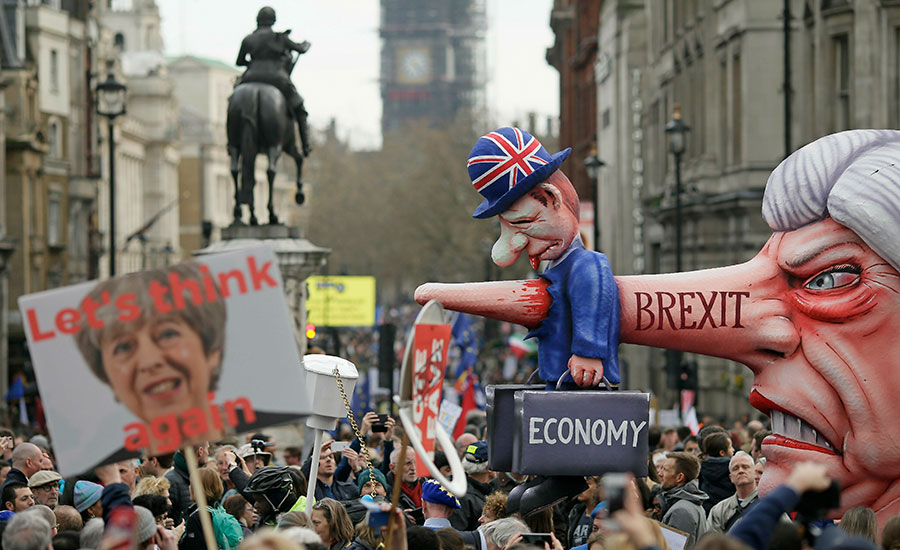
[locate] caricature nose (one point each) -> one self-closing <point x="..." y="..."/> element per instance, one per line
<point x="736" y="312"/>
<point x="506" y="250"/>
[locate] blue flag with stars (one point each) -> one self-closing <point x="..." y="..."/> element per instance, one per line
<point x="463" y="335"/>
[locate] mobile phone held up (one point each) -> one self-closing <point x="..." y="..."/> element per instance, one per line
<point x="339" y="446"/>
<point x="538" y="539"/>
<point x="614" y="488"/>
<point x="381" y="425"/>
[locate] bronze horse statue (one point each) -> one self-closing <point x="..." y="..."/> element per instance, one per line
<point x="259" y="121"/>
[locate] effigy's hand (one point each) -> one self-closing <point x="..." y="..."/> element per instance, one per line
<point x="586" y="371"/>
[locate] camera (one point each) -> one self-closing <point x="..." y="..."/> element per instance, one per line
<point x="381" y="425"/>
<point x="259" y="446"/>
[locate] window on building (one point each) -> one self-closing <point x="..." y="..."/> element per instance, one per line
<point x="119" y="41"/>
<point x="842" y="68"/>
<point x="54" y="220"/>
<point x="54" y="139"/>
<point x="736" y="111"/>
<point x="54" y="71"/>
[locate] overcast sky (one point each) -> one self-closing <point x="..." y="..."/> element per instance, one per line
<point x="338" y="77"/>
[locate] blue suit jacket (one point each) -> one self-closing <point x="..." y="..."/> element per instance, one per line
<point x="583" y="318"/>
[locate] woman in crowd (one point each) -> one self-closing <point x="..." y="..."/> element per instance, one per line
<point x="227" y="529"/>
<point x="331" y="522"/>
<point x="860" y="521"/>
<point x="242" y="511"/>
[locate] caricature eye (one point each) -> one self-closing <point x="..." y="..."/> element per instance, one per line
<point x="835" y="277"/>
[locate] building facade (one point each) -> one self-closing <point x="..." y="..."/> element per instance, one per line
<point x="432" y="60"/>
<point x="752" y="90"/>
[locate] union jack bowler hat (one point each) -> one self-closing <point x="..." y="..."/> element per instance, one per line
<point x="507" y="163"/>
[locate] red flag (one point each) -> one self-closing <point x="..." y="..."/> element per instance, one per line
<point x="467" y="403"/>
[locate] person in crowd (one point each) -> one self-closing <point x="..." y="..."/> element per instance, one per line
<point x="420" y="538"/>
<point x="222" y="458"/>
<point x="367" y="485"/>
<point x="714" y="475"/>
<point x="367" y="538"/>
<point x="273" y="490"/>
<point x="26" y="461"/>
<point x="756" y="443"/>
<point x="463" y="442"/>
<point x="44" y="486"/>
<point x="148" y="535"/>
<point x="92" y="533"/>
<point x="759" y="469"/>
<point x="438" y="505"/>
<point x="68" y="518"/>
<point x="243" y="511"/>
<point x="226" y="527"/>
<point x="27" y="532"/>
<point x="580" y="524"/>
<point x="17" y="497"/>
<point x="180" y="480"/>
<point x="153" y="486"/>
<point x="681" y="498"/>
<point x="860" y="521"/>
<point x="478" y="478"/>
<point x="655" y="461"/>
<point x="157" y="504"/>
<point x="494" y="507"/>
<point x="890" y="535"/>
<point x="46" y="513"/>
<point x="442" y="464"/>
<point x="410" y="484"/>
<point x="757" y="526"/>
<point x="332" y="524"/>
<point x="723" y="515"/>
<point x="66" y="540"/>
<point x="705" y="431"/>
<point x="451" y="539"/>
<point x="130" y="471"/>
<point x="498" y="533"/>
<point x="294" y="518"/>
<point x="156" y="466"/>
<point x="293" y="456"/>
<point x="327" y="486"/>
<point x="87" y="499"/>
<point x="669" y="439"/>
<point x="254" y="458"/>
<point x="691" y="445"/>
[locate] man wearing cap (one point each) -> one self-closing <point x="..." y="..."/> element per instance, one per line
<point x="253" y="458"/>
<point x="45" y="487"/>
<point x="366" y="485"/>
<point x="478" y="487"/>
<point x="438" y="505"/>
<point x="538" y="211"/>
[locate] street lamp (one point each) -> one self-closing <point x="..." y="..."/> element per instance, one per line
<point x="111" y="103"/>
<point x="592" y="164"/>
<point x="676" y="130"/>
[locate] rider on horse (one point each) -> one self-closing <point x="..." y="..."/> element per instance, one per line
<point x="271" y="62"/>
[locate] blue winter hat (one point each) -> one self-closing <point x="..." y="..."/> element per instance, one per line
<point x="507" y="163"/>
<point x="434" y="492"/>
<point x="86" y="494"/>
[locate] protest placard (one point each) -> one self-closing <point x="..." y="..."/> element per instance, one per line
<point x="430" y="346"/>
<point x="152" y="361"/>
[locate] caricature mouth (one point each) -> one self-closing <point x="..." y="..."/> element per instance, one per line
<point x="789" y="430"/>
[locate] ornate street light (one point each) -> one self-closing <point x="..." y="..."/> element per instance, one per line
<point x="111" y="104"/>
<point x="676" y="130"/>
<point x="592" y="164"/>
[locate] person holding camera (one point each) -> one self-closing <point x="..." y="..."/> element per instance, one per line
<point x="352" y="459"/>
<point x="327" y="484"/>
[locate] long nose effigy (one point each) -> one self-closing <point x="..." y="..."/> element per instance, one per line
<point x="711" y="312"/>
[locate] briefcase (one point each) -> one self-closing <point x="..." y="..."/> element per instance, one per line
<point x="500" y="411"/>
<point x="577" y="432"/>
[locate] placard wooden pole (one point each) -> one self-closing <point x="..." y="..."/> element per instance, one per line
<point x="398" y="479"/>
<point x="200" y="498"/>
<point x="313" y="471"/>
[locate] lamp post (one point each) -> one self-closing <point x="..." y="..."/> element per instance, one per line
<point x="676" y="130"/>
<point x="111" y="103"/>
<point x="592" y="164"/>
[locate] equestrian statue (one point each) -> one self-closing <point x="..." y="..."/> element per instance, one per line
<point x="261" y="111"/>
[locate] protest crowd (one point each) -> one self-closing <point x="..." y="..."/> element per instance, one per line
<point x="701" y="493"/>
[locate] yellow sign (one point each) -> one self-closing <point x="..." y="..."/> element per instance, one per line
<point x="341" y="301"/>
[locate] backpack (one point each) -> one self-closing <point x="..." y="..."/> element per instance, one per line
<point x="226" y="528"/>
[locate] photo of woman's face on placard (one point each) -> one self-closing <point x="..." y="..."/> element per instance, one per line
<point x="167" y="358"/>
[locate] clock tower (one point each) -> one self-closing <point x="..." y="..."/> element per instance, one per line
<point x="432" y="60"/>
